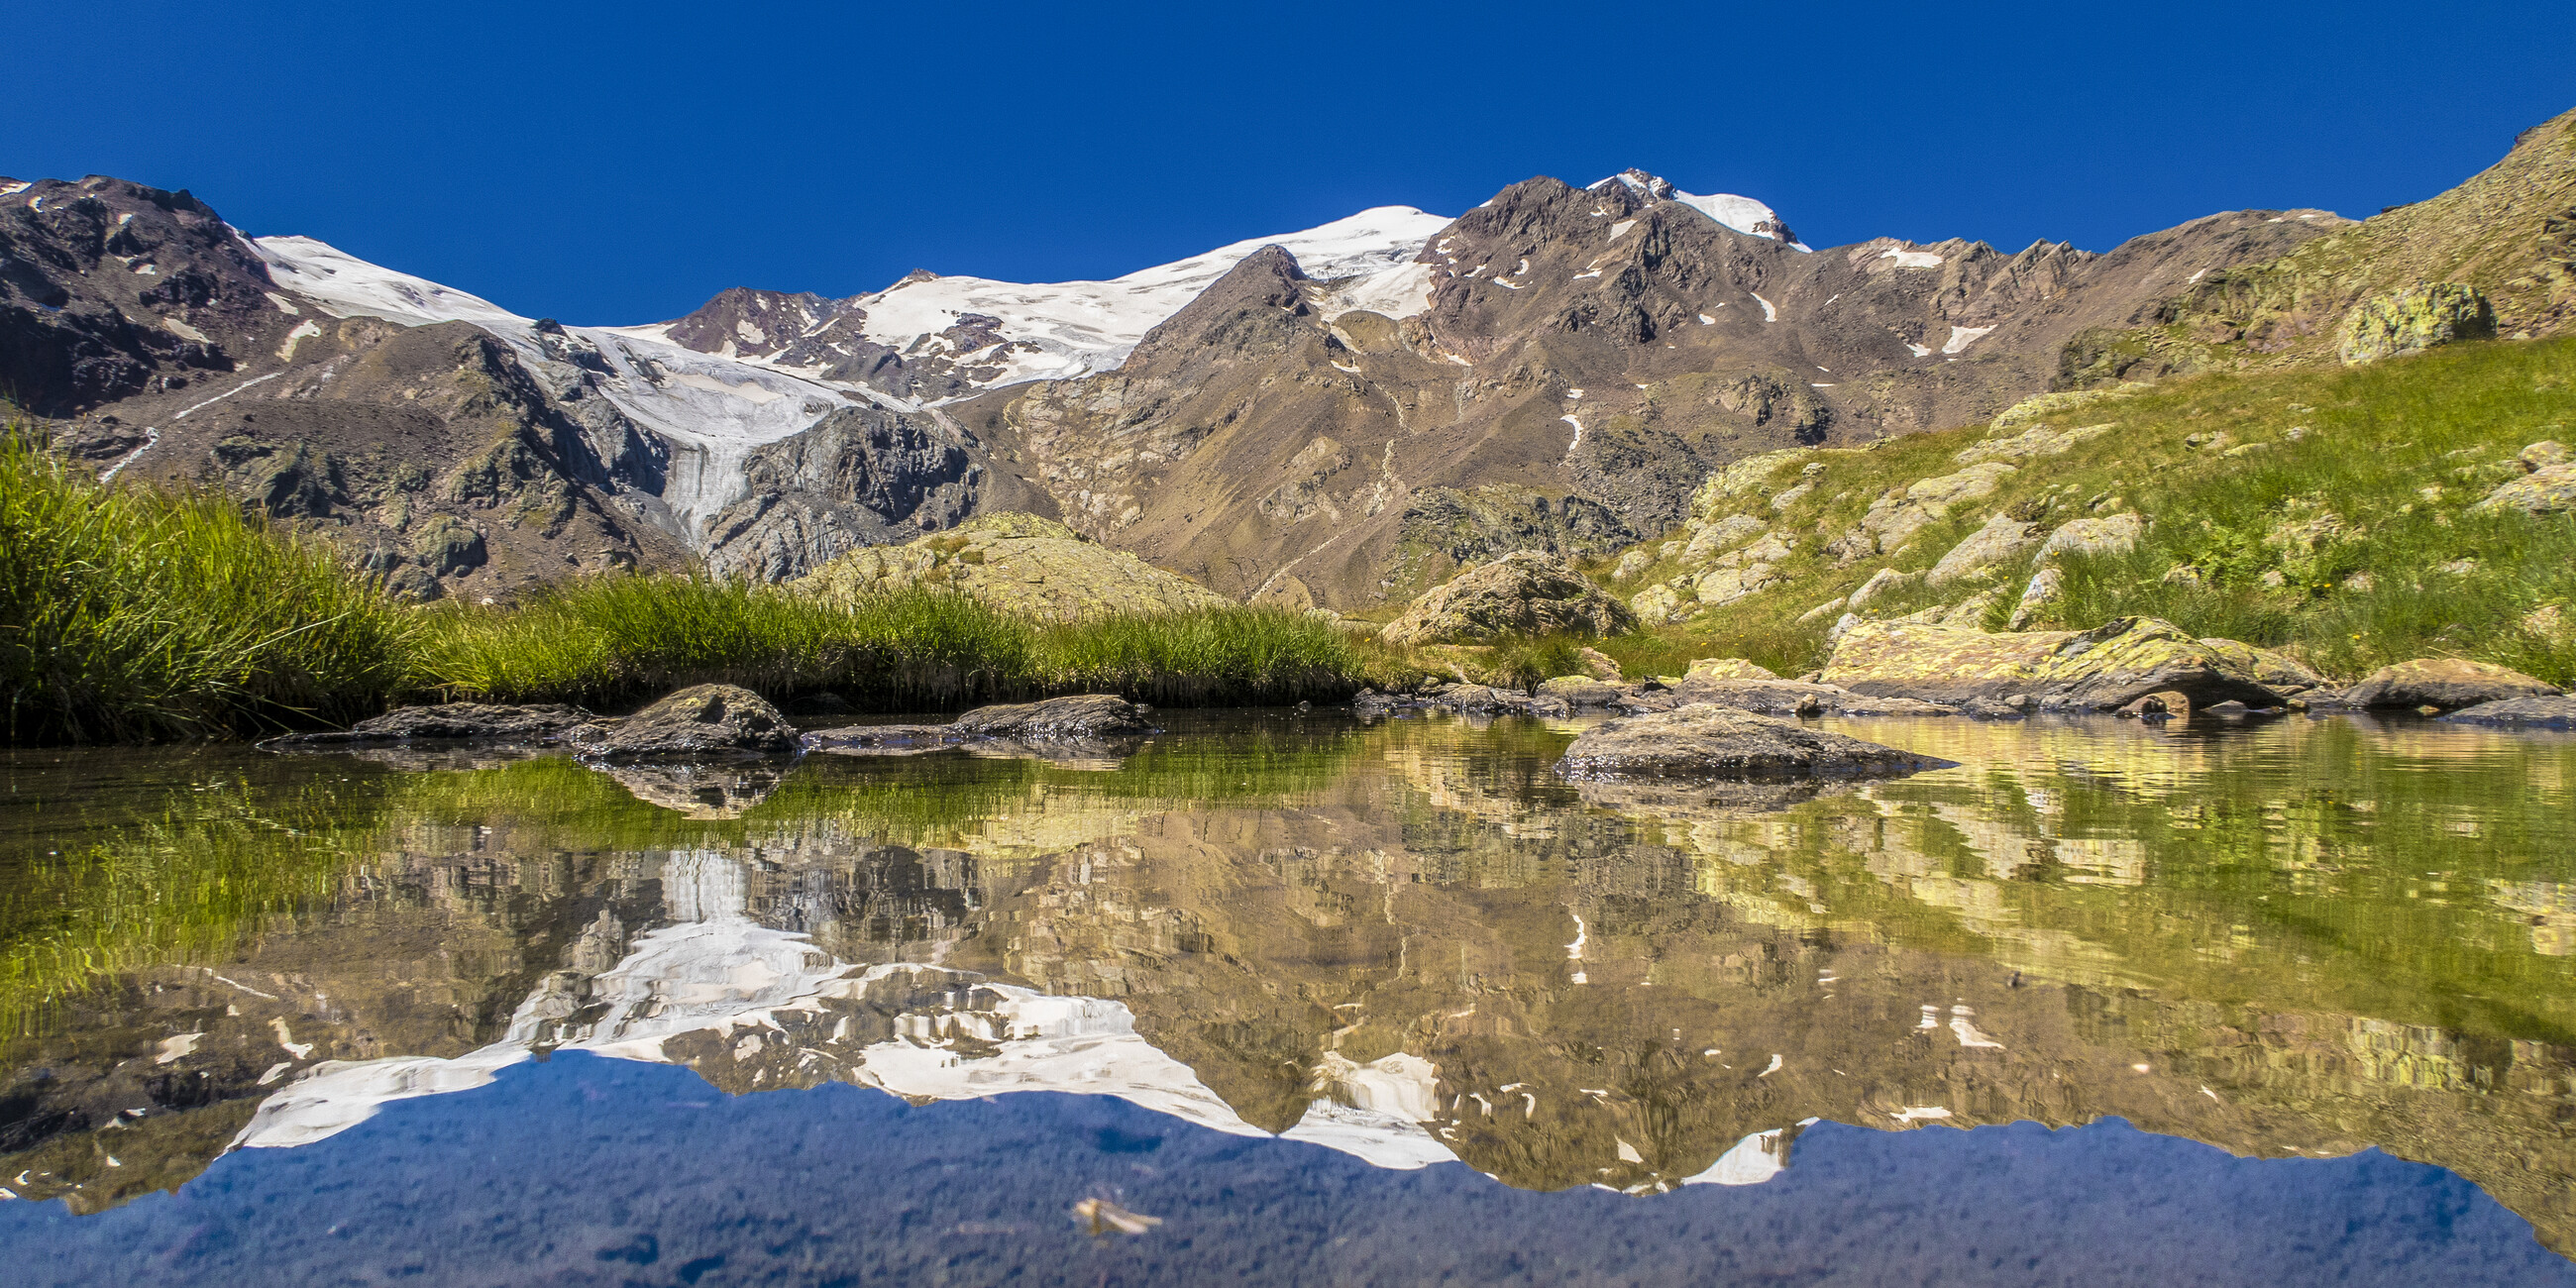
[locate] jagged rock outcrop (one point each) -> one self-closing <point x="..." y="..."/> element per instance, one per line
<point x="2413" y="320"/>
<point x="862" y="476"/>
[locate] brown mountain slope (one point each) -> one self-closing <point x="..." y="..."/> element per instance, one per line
<point x="2509" y="231"/>
<point x="1585" y="357"/>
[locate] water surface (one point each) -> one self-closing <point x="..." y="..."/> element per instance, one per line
<point x="2278" y="1003"/>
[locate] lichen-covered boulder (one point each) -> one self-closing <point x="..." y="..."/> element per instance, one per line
<point x="2415" y="319"/>
<point x="1721" y="742"/>
<point x="2000" y="541"/>
<point x="2110" y="534"/>
<point x="2279" y="672"/>
<point x="1728" y="668"/>
<point x="1019" y="563"/>
<point x="2446" y="682"/>
<point x="2551" y="489"/>
<point x="1524" y="592"/>
<point x="707" y="720"/>
<point x="1580" y="691"/>
<point x="452" y="722"/>
<point x="2101" y="669"/>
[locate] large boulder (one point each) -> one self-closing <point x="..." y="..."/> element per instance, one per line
<point x="1018" y="563"/>
<point x="453" y="722"/>
<point x="2110" y="534"/>
<point x="2446" y="682"/>
<point x="2549" y="489"/>
<point x="2000" y="541"/>
<point x="2520" y="713"/>
<point x="2101" y="669"/>
<point x="2415" y="319"/>
<point x="1523" y="592"/>
<point x="706" y="720"/>
<point x="1711" y="742"/>
<point x="2279" y="672"/>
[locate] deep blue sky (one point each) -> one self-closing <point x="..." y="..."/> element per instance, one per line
<point x="620" y="163"/>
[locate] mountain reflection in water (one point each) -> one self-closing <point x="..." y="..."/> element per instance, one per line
<point x="1407" y="943"/>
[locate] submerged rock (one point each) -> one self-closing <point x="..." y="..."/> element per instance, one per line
<point x="698" y="791"/>
<point x="2449" y="683"/>
<point x="2520" y="713"/>
<point x="1706" y="741"/>
<point x="2101" y="669"/>
<point x="1088" y="724"/>
<point x="1088" y="715"/>
<point x="704" y="720"/>
<point x="1521" y="592"/>
<point x="455" y="722"/>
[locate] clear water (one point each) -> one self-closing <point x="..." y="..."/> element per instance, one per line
<point x="2280" y="1003"/>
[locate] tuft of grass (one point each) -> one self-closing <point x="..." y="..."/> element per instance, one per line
<point x="128" y="613"/>
<point x="1526" y="661"/>
<point x="615" y="639"/>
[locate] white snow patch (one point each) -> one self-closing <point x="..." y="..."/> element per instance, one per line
<point x="1081" y="327"/>
<point x="1621" y="226"/>
<point x="2197" y="276"/>
<point x="1920" y="1113"/>
<point x="1575" y="949"/>
<point x="1911" y="258"/>
<point x="1919" y="350"/>
<point x="183" y="330"/>
<point x="1774" y="1066"/>
<point x="1963" y="336"/>
<point x="1769" y="314"/>
<point x="1398" y="292"/>
<point x="1751" y="1161"/>
<point x="1706" y="320"/>
<point x="1738" y="213"/>
<point x="174" y="1047"/>
<point x="1967" y="1033"/>
<point x="306" y="328"/>
<point x="284" y="305"/>
<point x="16" y="188"/>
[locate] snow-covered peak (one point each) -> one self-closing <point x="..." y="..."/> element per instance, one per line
<point x="1076" y="328"/>
<point x="1743" y="214"/>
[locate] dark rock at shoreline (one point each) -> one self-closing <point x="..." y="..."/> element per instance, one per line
<point x="2520" y="713"/>
<point x="704" y="720"/>
<point x="2447" y="682"/>
<point x="1713" y="742"/>
<point x="455" y="722"/>
<point x="1090" y="724"/>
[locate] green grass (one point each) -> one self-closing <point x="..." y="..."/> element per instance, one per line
<point x="2375" y="437"/>
<point x="128" y="613"/>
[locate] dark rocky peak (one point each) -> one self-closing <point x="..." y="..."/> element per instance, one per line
<point x="108" y="288"/>
<point x="1650" y="186"/>
<point x="755" y="323"/>
<point x="1258" y="307"/>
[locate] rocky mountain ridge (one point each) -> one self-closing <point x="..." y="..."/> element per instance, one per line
<point x="1338" y="417"/>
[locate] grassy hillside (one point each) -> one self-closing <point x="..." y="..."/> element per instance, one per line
<point x="2326" y="512"/>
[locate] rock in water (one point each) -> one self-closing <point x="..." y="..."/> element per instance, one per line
<point x="1523" y="591"/>
<point x="451" y="722"/>
<point x="2446" y="682"/>
<point x="1090" y="722"/>
<point x="707" y="720"/>
<point x="1720" y="742"/>
<point x="1088" y="715"/>
<point x="2101" y="669"/>
<point x="2520" y="713"/>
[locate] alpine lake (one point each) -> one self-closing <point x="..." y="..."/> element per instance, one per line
<point x="1287" y="997"/>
